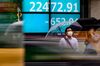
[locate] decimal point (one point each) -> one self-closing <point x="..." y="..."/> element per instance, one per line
<point x="65" y="10"/>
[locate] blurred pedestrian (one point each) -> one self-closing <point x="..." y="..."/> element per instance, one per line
<point x="68" y="40"/>
<point x="92" y="41"/>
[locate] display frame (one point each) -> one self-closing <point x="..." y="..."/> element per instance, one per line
<point x="83" y="14"/>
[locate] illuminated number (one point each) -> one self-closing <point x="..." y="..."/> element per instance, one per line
<point x="61" y="5"/>
<point x="40" y="6"/>
<point x="46" y="7"/>
<point x="71" y="21"/>
<point x="54" y="5"/>
<point x="33" y="5"/>
<point x="69" y="6"/>
<point x="58" y="20"/>
<point x="53" y="21"/>
<point x="63" y="20"/>
<point x="75" y="5"/>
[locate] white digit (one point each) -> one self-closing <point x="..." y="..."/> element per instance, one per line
<point x="40" y="6"/>
<point x="61" y="5"/>
<point x="76" y="9"/>
<point x="46" y="7"/>
<point x="63" y="20"/>
<point x="54" y="6"/>
<point x="71" y="20"/>
<point x="33" y="5"/>
<point x="69" y="6"/>
<point x="58" y="20"/>
<point x="53" y="21"/>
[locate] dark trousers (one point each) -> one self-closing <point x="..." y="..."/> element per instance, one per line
<point x="90" y="51"/>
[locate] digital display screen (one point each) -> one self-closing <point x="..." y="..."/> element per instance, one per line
<point x="35" y="5"/>
<point x="68" y="18"/>
<point x="41" y="15"/>
<point x="65" y="5"/>
<point x="39" y="23"/>
<point x="55" y="5"/>
<point x="36" y="23"/>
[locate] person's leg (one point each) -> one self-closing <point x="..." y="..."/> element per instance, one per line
<point x="90" y="51"/>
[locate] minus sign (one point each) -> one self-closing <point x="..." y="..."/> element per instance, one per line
<point x="46" y="21"/>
